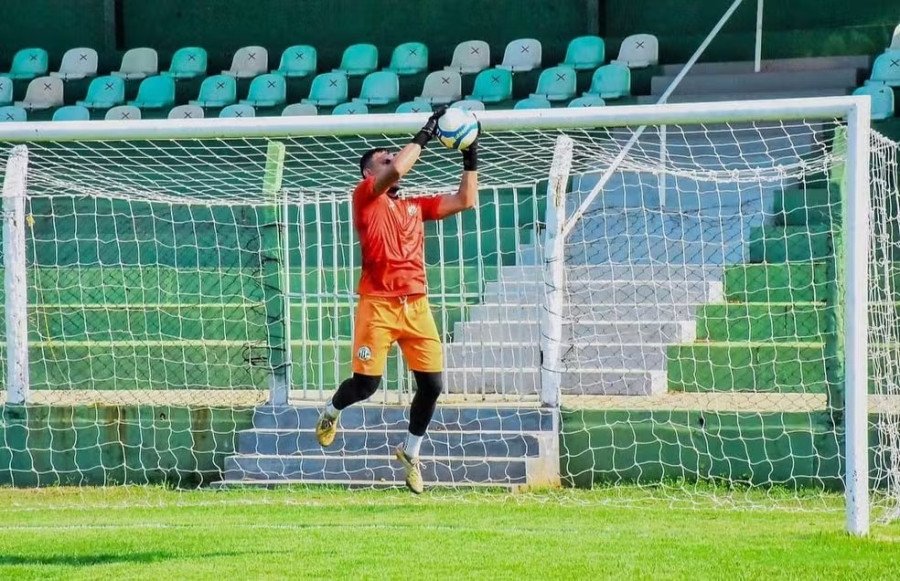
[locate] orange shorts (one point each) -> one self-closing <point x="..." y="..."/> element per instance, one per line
<point x="380" y="321"/>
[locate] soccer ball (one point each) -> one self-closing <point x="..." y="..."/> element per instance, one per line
<point x="457" y="129"/>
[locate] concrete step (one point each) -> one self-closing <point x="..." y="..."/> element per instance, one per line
<point x="513" y="356"/>
<point x="597" y="331"/>
<point x="759" y="82"/>
<point x="531" y="312"/>
<point x="744" y="96"/>
<point x="803" y="64"/>
<point x="607" y="292"/>
<point x="591" y="381"/>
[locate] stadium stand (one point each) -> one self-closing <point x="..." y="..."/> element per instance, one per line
<point x="6" y="91"/>
<point x="358" y="60"/>
<point x="104" y="92"/>
<point x="12" y="113"/>
<point x="882" y="99"/>
<point x="248" y="62"/>
<point x="138" y="63"/>
<point x="299" y="109"/>
<point x="216" y="91"/>
<point x="556" y="84"/>
<point x="28" y="64"/>
<point x="72" y="113"/>
<point x="441" y="87"/>
<point x="188" y="62"/>
<point x="521" y="55"/>
<point x="155" y="93"/>
<point x="43" y="93"/>
<point x="77" y="63"/>
<point x="414" y="107"/>
<point x="186" y="112"/>
<point x="238" y="110"/>
<point x="585" y="53"/>
<point x="379" y="88"/>
<point x="298" y="61"/>
<point x="266" y="91"/>
<point x="409" y="58"/>
<point x="470" y="56"/>
<point x="328" y="89"/>
<point x="492" y="86"/>
<point x="350" y="109"/>
<point x="123" y="113"/>
<point x="638" y="51"/>
<point x="533" y="102"/>
<point x="610" y="81"/>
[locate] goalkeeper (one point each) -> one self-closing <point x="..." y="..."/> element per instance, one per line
<point x="392" y="289"/>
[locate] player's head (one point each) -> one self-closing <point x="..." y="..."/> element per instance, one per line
<point x="373" y="160"/>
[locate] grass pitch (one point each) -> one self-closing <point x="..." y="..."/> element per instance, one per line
<point x="154" y="533"/>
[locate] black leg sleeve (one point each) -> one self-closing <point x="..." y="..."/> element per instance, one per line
<point x="357" y="388"/>
<point x="429" y="387"/>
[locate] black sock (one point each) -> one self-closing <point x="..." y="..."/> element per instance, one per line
<point x="429" y="386"/>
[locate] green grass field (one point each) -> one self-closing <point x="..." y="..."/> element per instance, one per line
<point x="148" y="533"/>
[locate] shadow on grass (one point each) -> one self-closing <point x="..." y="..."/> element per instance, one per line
<point x="112" y="558"/>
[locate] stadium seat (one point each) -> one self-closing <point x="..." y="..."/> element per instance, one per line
<point x="266" y="91"/>
<point x="77" y="63"/>
<point x="359" y="60"/>
<point x="523" y="54"/>
<point x="12" y="113"/>
<point x="42" y="93"/>
<point x="556" y="84"/>
<point x="471" y="56"/>
<point x="414" y="107"/>
<point x="587" y="101"/>
<point x="138" y="63"/>
<point x="895" y="39"/>
<point x="72" y="113"/>
<point x="238" y="110"/>
<point x="29" y="63"/>
<point x="533" y="102"/>
<point x="611" y="82"/>
<point x="441" y="87"/>
<point x="379" y="88"/>
<point x="187" y="62"/>
<point x="886" y="68"/>
<point x="298" y="61"/>
<point x="638" y="51"/>
<point x="299" y="109"/>
<point x="123" y="113"/>
<point x="155" y="93"/>
<point x="492" y="86"/>
<point x="409" y="58"/>
<point x="216" y="91"/>
<point x="186" y="112"/>
<point x="585" y="53"/>
<point x="882" y="99"/>
<point x="328" y="89"/>
<point x="6" y="91"/>
<point x="104" y="92"/>
<point x="350" y="109"/>
<point x="469" y="105"/>
<point x="249" y="61"/>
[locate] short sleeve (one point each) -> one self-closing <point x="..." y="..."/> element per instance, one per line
<point x="364" y="192"/>
<point x="429" y="207"/>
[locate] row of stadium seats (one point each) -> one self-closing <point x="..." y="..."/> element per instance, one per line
<point x="884" y="78"/>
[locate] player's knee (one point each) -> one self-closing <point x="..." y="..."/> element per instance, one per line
<point x="429" y="383"/>
<point x="366" y="385"/>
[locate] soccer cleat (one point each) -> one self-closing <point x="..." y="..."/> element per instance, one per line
<point x="412" y="469"/>
<point x="326" y="429"/>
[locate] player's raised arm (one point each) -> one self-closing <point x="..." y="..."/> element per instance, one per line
<point x="466" y="196"/>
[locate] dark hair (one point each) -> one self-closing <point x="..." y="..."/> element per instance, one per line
<point x="367" y="157"/>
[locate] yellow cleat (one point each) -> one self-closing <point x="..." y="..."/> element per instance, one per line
<point x="326" y="429"/>
<point x="413" y="472"/>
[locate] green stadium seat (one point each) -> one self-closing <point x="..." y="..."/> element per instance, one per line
<point x="104" y="92"/>
<point x="299" y="110"/>
<point x="11" y="113"/>
<point x="414" y="107"/>
<point x="886" y="68"/>
<point x="533" y="102"/>
<point x="238" y="110"/>
<point x="638" y="51"/>
<point x="882" y="99"/>
<point x="29" y="63"/>
<point x="379" y="88"/>
<point x="123" y="113"/>
<point x="188" y="62"/>
<point x="471" y="56"/>
<point x="328" y="89"/>
<point x="585" y="53"/>
<point x="216" y="91"/>
<point x="155" y="93"/>
<point x="186" y="112"/>
<point x="587" y="101"/>
<point x="350" y="109"/>
<point x="556" y="84"/>
<point x="42" y="93"/>
<point x="248" y="62"/>
<point x="523" y="54"/>
<point x="895" y="39"/>
<point x="469" y="105"/>
<point x="6" y="91"/>
<point x="492" y="86"/>
<point x="359" y="60"/>
<point x="298" y="61"/>
<point x="441" y="87"/>
<point x="138" y="63"/>
<point x="266" y="91"/>
<point x="409" y="58"/>
<point x="611" y="82"/>
<point x="77" y="63"/>
<point x="72" y="113"/>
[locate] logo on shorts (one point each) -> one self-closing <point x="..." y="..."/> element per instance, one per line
<point x="364" y="353"/>
<point x="411" y="210"/>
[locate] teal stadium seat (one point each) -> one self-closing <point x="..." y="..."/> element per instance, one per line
<point x="611" y="82"/>
<point x="155" y="93"/>
<point x="585" y="53"/>
<point x="379" y="88"/>
<point x="409" y="58"/>
<point x="186" y="112"/>
<point x="266" y="91"/>
<point x="886" y="68"/>
<point x="328" y="89"/>
<point x="350" y="109"/>
<point x="882" y="99"/>
<point x="6" y="91"/>
<point x="414" y="107"/>
<point x="217" y="91"/>
<point x="188" y="62"/>
<point x="11" y="113"/>
<point x="77" y="63"/>
<point x="72" y="113"/>
<point x="521" y="55"/>
<point x="359" y="60"/>
<point x="588" y="101"/>
<point x="469" y="105"/>
<point x="299" y="110"/>
<point x="638" y="51"/>
<point x="248" y="62"/>
<point x="104" y="92"/>
<point x="42" y="93"/>
<point x="29" y="63"/>
<point x="533" y="102"/>
<point x="298" y="61"/>
<point x="492" y="86"/>
<point x="238" y="110"/>
<point x="556" y="84"/>
<point x="441" y="87"/>
<point x="471" y="56"/>
<point x="138" y="63"/>
<point x="123" y="113"/>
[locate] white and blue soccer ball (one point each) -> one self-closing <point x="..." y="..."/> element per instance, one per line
<point x="457" y="128"/>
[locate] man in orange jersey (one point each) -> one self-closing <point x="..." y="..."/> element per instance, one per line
<point x="392" y="289"/>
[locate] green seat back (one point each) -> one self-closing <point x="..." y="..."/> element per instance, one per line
<point x="29" y="63"/>
<point x="350" y="109"/>
<point x="104" y="92"/>
<point x="188" y="62"/>
<point x="886" y="68"/>
<point x="12" y="113"/>
<point x="409" y="58"/>
<point x="882" y="99"/>
<point x="557" y="84"/>
<point x="492" y="86"/>
<point x="380" y="88"/>
<point x="585" y="53"/>
<point x="328" y="89"/>
<point x="299" y="110"/>
<point x="414" y="107"/>
<point x="155" y="93"/>
<point x="533" y="102"/>
<point x="587" y="101"/>
<point x="6" y="90"/>
<point x="72" y="113"/>
<point x="238" y="110"/>
<point x="611" y="81"/>
<point x="266" y="91"/>
<point x="298" y="61"/>
<point x="217" y="91"/>
<point x="359" y="59"/>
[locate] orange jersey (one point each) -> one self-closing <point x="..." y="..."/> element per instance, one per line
<point x="392" y="238"/>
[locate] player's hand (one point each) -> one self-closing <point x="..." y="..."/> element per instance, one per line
<point x="470" y="154"/>
<point x="428" y="130"/>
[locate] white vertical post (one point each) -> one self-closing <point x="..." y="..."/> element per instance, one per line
<point x="15" y="281"/>
<point x="662" y="166"/>
<point x="757" y="61"/>
<point x="554" y="262"/>
<point x="856" y="240"/>
<point x="286" y="290"/>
